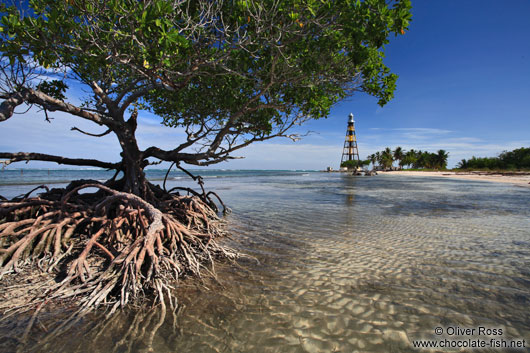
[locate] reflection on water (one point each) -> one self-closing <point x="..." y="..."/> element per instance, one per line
<point x="344" y="264"/>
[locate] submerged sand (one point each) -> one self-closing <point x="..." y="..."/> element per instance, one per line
<point x="335" y="263"/>
<point x="522" y="179"/>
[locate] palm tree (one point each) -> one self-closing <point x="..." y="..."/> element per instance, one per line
<point x="372" y="159"/>
<point x="418" y="163"/>
<point x="441" y="159"/>
<point x="463" y="164"/>
<point x="410" y="158"/>
<point x="398" y="156"/>
<point x="427" y="159"/>
<point x="387" y="159"/>
<point x="378" y="157"/>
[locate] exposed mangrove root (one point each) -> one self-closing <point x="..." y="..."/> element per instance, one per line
<point x="107" y="247"/>
<point x="205" y="196"/>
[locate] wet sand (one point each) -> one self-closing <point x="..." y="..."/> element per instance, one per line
<point x="517" y="179"/>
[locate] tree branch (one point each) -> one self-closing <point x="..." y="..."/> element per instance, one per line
<point x="221" y="153"/>
<point x="31" y="96"/>
<point x="111" y="106"/>
<point x="133" y="97"/>
<point x="29" y="156"/>
<point x="244" y="110"/>
<point x="89" y="134"/>
<point x="7" y="108"/>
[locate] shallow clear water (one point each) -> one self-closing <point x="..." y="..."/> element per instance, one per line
<point x="344" y="264"/>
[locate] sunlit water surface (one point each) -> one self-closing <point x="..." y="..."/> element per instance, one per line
<point x="343" y="264"/>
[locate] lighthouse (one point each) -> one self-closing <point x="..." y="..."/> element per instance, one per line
<point x="350" y="152"/>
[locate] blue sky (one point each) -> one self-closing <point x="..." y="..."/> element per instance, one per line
<point x="464" y="86"/>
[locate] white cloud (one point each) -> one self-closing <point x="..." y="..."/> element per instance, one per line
<point x="423" y="130"/>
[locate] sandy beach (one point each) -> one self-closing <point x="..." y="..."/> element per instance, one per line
<point x="522" y="179"/>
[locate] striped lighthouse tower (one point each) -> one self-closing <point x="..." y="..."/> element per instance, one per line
<point x="350" y="151"/>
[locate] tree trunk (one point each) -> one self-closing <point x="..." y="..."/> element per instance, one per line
<point x="134" y="176"/>
<point x="133" y="162"/>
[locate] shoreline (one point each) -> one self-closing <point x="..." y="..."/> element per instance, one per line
<point x="516" y="179"/>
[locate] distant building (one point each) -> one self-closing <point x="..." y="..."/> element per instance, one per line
<point x="350" y="152"/>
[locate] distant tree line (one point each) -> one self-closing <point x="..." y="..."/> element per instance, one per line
<point x="411" y="159"/>
<point x="516" y="159"/>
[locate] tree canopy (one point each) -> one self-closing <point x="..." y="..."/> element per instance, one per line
<point x="511" y="160"/>
<point x="229" y="73"/>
